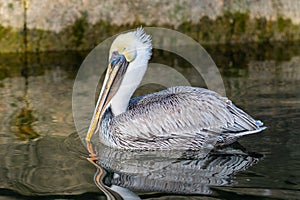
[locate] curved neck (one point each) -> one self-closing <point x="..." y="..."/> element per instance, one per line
<point x="130" y="82"/>
<point x="106" y="136"/>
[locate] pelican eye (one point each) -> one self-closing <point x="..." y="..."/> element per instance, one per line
<point x="116" y="58"/>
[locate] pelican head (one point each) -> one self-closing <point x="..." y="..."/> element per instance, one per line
<point x="128" y="59"/>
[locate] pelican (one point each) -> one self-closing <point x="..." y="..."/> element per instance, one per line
<point x="181" y="117"/>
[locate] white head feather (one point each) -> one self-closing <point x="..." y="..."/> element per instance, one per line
<point x="137" y="48"/>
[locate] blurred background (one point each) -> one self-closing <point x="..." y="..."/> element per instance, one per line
<point x="255" y="44"/>
<point x="81" y="24"/>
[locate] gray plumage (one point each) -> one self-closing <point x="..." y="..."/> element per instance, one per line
<point x="178" y="118"/>
<point x="175" y="118"/>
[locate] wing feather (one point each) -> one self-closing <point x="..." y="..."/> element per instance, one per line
<point x="181" y="112"/>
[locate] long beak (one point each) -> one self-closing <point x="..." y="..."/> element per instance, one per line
<point x="113" y="78"/>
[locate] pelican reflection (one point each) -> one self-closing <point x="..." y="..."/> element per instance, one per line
<point x="181" y="172"/>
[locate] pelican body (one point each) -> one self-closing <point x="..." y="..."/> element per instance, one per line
<point x="181" y="117"/>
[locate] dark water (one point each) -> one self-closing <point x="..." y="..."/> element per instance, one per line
<point x="42" y="156"/>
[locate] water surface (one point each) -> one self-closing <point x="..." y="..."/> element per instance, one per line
<point x="42" y="156"/>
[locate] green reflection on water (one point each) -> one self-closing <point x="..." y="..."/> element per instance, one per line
<point x="24" y="122"/>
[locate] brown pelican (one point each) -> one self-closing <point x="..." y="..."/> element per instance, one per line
<point x="176" y="118"/>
